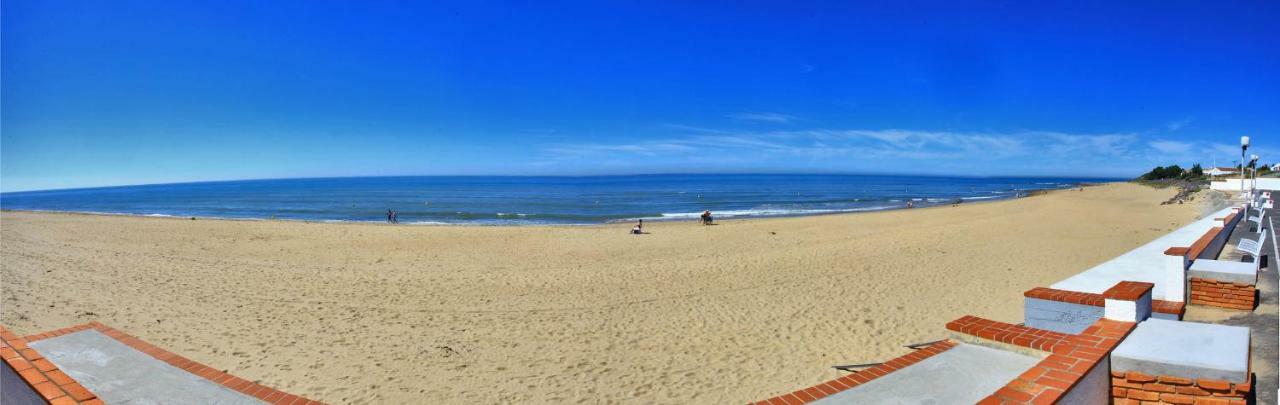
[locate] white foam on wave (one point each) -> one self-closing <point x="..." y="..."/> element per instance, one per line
<point x="428" y="223"/>
<point x="981" y="198"/>
<point x="764" y="212"/>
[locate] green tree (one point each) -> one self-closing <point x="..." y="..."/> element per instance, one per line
<point x="1196" y="171"/>
<point x="1164" y="172"/>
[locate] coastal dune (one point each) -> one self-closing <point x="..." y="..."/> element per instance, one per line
<point x="743" y="310"/>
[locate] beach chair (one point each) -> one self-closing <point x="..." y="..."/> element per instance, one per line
<point x="1256" y="206"/>
<point x="1252" y="247"/>
<point x="1257" y="219"/>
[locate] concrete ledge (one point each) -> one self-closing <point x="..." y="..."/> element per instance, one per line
<point x="37" y="373"/>
<point x="857" y="379"/>
<point x="964" y="374"/>
<point x="252" y="391"/>
<point x="1074" y="374"/>
<point x="1224" y="270"/>
<point x="120" y="374"/>
<point x="1149" y="263"/>
<point x="1185" y="349"/>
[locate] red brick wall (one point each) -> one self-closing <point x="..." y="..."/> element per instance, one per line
<point x="1223" y="294"/>
<point x="1133" y="388"/>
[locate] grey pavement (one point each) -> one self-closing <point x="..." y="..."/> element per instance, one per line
<point x="964" y="374"/>
<point x="120" y="374"/>
<point x="1264" y="321"/>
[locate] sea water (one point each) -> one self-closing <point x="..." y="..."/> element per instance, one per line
<point x="533" y="200"/>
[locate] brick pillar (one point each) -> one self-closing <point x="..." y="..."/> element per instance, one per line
<point x="1135" y="388"/>
<point x="1223" y="294"/>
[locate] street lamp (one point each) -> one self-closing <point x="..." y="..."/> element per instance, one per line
<point x="1253" y="184"/>
<point x="1244" y="145"/>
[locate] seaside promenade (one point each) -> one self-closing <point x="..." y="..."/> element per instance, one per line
<point x="1184" y="319"/>
<point x="1263" y="322"/>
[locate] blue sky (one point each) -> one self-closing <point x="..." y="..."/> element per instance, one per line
<point x="108" y="93"/>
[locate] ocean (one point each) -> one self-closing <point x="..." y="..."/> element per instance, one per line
<point x="486" y="200"/>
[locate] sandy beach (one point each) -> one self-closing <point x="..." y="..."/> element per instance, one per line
<point x="371" y="313"/>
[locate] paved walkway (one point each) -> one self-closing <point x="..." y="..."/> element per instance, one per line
<point x="118" y="373"/>
<point x="1264" y="319"/>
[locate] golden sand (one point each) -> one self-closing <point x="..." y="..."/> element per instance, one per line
<point x="370" y="313"/>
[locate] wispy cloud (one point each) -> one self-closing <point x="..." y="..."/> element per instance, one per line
<point x="764" y="117"/>
<point x="1171" y="147"/>
<point x="1174" y="126"/>
<point x="1061" y="144"/>
<point x="896" y="150"/>
<point x="879" y="145"/>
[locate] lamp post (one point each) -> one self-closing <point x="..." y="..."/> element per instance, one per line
<point x="1253" y="184"/>
<point x="1253" y="167"/>
<point x="1244" y="145"/>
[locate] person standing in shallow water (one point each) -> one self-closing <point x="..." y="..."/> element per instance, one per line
<point x="391" y="216"/>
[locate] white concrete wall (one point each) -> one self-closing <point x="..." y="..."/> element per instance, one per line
<point x="1268" y="183"/>
<point x="1094" y="388"/>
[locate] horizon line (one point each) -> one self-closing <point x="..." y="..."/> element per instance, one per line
<point x="745" y="173"/>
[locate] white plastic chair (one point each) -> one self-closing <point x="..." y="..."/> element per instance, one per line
<point x="1257" y="219"/>
<point x="1252" y="247"/>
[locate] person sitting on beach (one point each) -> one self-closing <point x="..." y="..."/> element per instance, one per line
<point x="706" y="217"/>
<point x="910" y="204"/>
<point x="638" y="229"/>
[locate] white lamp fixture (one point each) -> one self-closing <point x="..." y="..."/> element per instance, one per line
<point x="1244" y="145"/>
